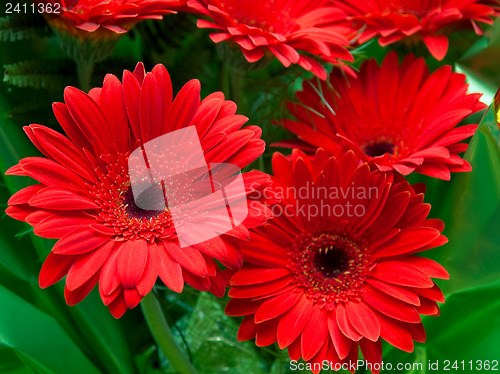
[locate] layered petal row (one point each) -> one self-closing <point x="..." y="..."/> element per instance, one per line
<point x="337" y="268"/>
<point x="291" y="31"/>
<point x="421" y="21"/>
<point x="399" y="116"/>
<point x="84" y="196"/>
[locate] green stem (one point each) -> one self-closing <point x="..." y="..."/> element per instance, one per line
<point x="225" y="81"/>
<point x="237" y="79"/>
<point x="84" y="70"/>
<point x="162" y="334"/>
<point x="232" y="80"/>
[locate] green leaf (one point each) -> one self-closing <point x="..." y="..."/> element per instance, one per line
<point x="468" y="328"/>
<point x="22" y="26"/>
<point x="103" y="334"/>
<point x="395" y="360"/>
<point x="90" y="325"/>
<point x="11" y="363"/>
<point x="48" y="74"/>
<point x="14" y="145"/>
<point x="470" y="208"/>
<point x="210" y="337"/>
<point x="480" y="64"/>
<point x="39" y="337"/>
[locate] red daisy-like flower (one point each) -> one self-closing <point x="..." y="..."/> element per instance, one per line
<point x="282" y="28"/>
<point x="415" y="21"/>
<point x="85" y="197"/>
<point x="336" y="268"/>
<point x="98" y="19"/>
<point x="398" y="116"/>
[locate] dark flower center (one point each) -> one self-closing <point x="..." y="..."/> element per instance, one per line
<point x="149" y="198"/>
<point x="142" y="217"/>
<point x="331" y="262"/>
<point x="379" y="148"/>
<point x="330" y="267"/>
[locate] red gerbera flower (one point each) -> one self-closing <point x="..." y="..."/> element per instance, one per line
<point x="336" y="268"/>
<point x="418" y="20"/>
<point x="85" y="197"/>
<point x="282" y="28"/>
<point x="399" y="117"/>
<point x="98" y="19"/>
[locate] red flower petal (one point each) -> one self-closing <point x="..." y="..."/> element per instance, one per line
<point x="54" y="269"/>
<point x="56" y="226"/>
<point x="86" y="266"/>
<point x="390" y="306"/>
<point x="50" y="173"/>
<point x="400" y="293"/>
<point x="429" y="267"/>
<point x="372" y="353"/>
<point x="113" y="106"/>
<point x="262" y="289"/>
<point x="61" y="199"/>
<point x="118" y="307"/>
<point x="150" y="109"/>
<point x="247" y="276"/>
<point x="247" y="329"/>
<point x="363" y="320"/>
<point x="132" y="298"/>
<point x="184" y="106"/>
<point x="406" y="240"/>
<point x="315" y="334"/>
<point x="266" y="333"/>
<point x="89" y="118"/>
<point x="73" y="297"/>
<point x="148" y="279"/>
<point x="402" y="274"/>
<point x="340" y="341"/>
<point x="131" y="262"/>
<point x="61" y="150"/>
<point x="170" y="272"/>
<point x="188" y="257"/>
<point x="79" y="241"/>
<point x="437" y="44"/>
<point x="241" y="307"/>
<point x="293" y="322"/>
<point x="276" y="306"/>
<point x="396" y="333"/>
<point x="23" y="196"/>
<point x="344" y="325"/>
